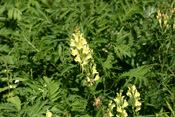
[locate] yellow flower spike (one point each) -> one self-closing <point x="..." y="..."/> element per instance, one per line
<point x="134" y="97"/>
<point x="83" y="53"/>
<point x="110" y="108"/>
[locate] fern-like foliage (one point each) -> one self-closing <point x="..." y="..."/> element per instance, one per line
<point x="53" y="89"/>
<point x="123" y="44"/>
<point x="137" y="75"/>
<point x="127" y="9"/>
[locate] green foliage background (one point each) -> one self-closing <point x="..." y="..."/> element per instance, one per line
<point x="35" y="50"/>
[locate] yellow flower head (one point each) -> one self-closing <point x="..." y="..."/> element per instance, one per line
<point x="138" y="108"/>
<point x="48" y="114"/>
<point x="84" y="41"/>
<point x="119" y="109"/>
<point x="85" y="50"/>
<point x="76" y="37"/>
<point x="110" y="114"/>
<point x="72" y="43"/>
<point x="137" y="103"/>
<point x="94" y="70"/>
<point x="97" y="77"/>
<point x="137" y="94"/>
<point x="116" y="100"/>
<point x="77" y="59"/>
<point x="85" y="62"/>
<point x="125" y="104"/>
<point x="88" y="56"/>
<point x="79" y="46"/>
<point x="74" y="52"/>
<point x="124" y="113"/>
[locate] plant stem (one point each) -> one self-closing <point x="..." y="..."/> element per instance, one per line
<point x="7" y="76"/>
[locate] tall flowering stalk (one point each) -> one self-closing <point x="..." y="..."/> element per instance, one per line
<point x="83" y="55"/>
<point x="134" y="98"/>
<point x="110" y="108"/>
<point x="121" y="104"/>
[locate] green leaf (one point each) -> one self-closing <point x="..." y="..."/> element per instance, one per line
<point x="138" y="74"/>
<point x="15" y="100"/>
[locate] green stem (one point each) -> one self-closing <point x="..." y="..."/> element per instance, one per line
<point x="8" y="83"/>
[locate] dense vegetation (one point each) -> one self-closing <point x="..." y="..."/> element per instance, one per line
<point x="77" y="58"/>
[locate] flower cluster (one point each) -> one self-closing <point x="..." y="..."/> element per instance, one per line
<point x="110" y="108"/>
<point x="134" y="97"/>
<point x="98" y="102"/>
<point x="83" y="55"/>
<point x="166" y="18"/>
<point x="121" y="104"/>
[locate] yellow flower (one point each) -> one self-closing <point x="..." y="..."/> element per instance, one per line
<point x="94" y="71"/>
<point x="110" y="114"/>
<point x="84" y="41"/>
<point x="125" y="114"/>
<point x="85" y="62"/>
<point x="88" y="79"/>
<point x="79" y="46"/>
<point x="128" y="93"/>
<point x="85" y="50"/>
<point x="88" y="56"/>
<point x="48" y="114"/>
<point x="137" y="103"/>
<point x="75" y="37"/>
<point x="119" y="109"/>
<point x="72" y="43"/>
<point x="137" y="94"/>
<point x="74" y="52"/>
<point x="125" y="104"/>
<point x="133" y="88"/>
<point x="97" y="77"/>
<point x="116" y="100"/>
<point x="138" y="108"/>
<point x="77" y="59"/>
